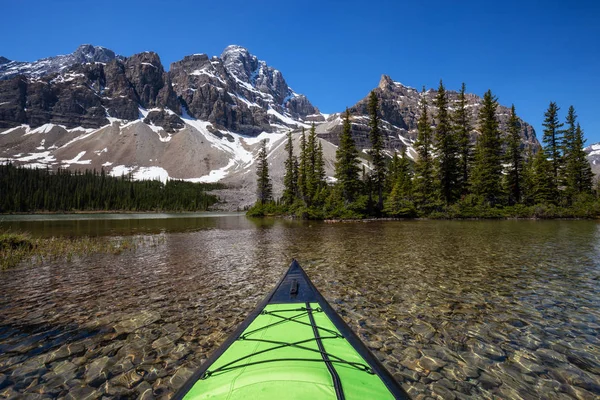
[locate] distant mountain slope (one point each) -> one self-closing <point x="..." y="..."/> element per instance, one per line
<point x="236" y="92"/>
<point x="202" y="120"/>
<point x="593" y="155"/>
<point x="400" y="111"/>
<point x="240" y="93"/>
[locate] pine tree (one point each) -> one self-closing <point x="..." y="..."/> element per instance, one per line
<point x="446" y="149"/>
<point x="543" y="191"/>
<point x="264" y="189"/>
<point x="302" y="168"/>
<point x="290" y="180"/>
<point x="347" y="163"/>
<point x="404" y="175"/>
<point x="583" y="176"/>
<point x="392" y="172"/>
<point x="311" y="159"/>
<point x="399" y="201"/>
<point x="376" y="149"/>
<point x="424" y="181"/>
<point x="487" y="171"/>
<point x="462" y="129"/>
<point x="527" y="180"/>
<point x="514" y="159"/>
<point x="568" y="142"/>
<point x="577" y="174"/>
<point x="320" y="176"/>
<point x="568" y="173"/>
<point x="553" y="141"/>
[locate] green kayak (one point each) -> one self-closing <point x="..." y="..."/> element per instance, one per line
<point x="292" y="346"/>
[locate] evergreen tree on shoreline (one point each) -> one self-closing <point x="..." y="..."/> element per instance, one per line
<point x="379" y="170"/>
<point x="424" y="180"/>
<point x="320" y="176"/>
<point x="582" y="176"/>
<point x="399" y="201"/>
<point x="462" y="129"/>
<point x="446" y="149"/>
<point x="347" y="163"/>
<point x="264" y="189"/>
<point x="290" y="180"/>
<point x="527" y="179"/>
<point x="487" y="170"/>
<point x="311" y="161"/>
<point x="543" y="190"/>
<point x="302" y="168"/>
<point x="514" y="159"/>
<point x="553" y="142"/>
<point x="577" y="175"/>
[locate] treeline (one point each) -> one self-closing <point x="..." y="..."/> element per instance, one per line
<point x="29" y="190"/>
<point x="451" y="177"/>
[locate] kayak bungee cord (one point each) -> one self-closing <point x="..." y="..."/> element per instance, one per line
<point x="326" y="357"/>
<point x="294" y="318"/>
<point x="293" y="345"/>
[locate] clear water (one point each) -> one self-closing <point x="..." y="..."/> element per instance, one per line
<point x="454" y="309"/>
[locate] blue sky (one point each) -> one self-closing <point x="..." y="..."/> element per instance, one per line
<point x="528" y="52"/>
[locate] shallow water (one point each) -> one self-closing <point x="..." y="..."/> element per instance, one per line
<point x="454" y="309"/>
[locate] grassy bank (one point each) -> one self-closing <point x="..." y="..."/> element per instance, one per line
<point x="21" y="247"/>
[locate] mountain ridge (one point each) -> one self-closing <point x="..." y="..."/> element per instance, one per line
<point x="201" y="120"/>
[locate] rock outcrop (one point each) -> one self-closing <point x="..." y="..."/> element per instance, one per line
<point x="88" y="94"/>
<point x="238" y="92"/>
<point x="593" y="156"/>
<point x="85" y="53"/>
<point x="400" y="111"/>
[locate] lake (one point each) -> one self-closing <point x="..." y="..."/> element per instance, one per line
<point x="454" y="309"/>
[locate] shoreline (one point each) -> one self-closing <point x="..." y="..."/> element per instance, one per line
<point x="336" y="221"/>
<point x="115" y="212"/>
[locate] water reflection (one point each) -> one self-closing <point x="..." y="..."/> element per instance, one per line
<point x="118" y="224"/>
<point x="454" y="309"/>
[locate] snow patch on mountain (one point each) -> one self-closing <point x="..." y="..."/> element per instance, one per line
<point x="151" y="174"/>
<point x="77" y="160"/>
<point x="83" y="54"/>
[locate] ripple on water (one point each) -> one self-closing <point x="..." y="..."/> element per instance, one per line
<point x="506" y="309"/>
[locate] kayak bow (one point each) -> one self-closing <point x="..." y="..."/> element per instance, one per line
<point x="292" y="346"/>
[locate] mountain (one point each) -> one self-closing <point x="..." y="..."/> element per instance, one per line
<point x="400" y="111"/>
<point x="593" y="155"/>
<point x="240" y="93"/>
<point x="201" y="120"/>
<point x="235" y="92"/>
<point x="84" y="54"/>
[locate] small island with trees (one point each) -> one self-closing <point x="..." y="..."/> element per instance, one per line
<point x="450" y="178"/>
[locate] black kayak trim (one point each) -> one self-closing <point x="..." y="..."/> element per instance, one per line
<point x="296" y="287"/>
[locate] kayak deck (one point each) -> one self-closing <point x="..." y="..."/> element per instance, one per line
<point x="292" y="346"/>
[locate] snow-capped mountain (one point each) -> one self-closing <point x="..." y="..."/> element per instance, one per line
<point x="239" y="92"/>
<point x="593" y="155"/>
<point x="84" y="54"/>
<point x="202" y="120"/>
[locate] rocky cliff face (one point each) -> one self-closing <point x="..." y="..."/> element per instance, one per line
<point x="593" y="155"/>
<point x="84" y="54"/>
<point x="400" y="111"/>
<point x="238" y="92"/>
<point x="235" y="92"/>
<point x="87" y="94"/>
